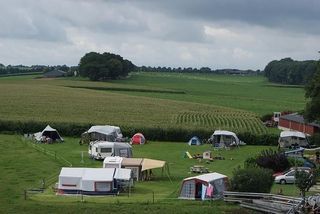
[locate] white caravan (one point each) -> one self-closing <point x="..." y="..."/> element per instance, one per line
<point x="99" y="150"/>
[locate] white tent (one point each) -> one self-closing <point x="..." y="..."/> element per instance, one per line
<point x="98" y="180"/>
<point x="292" y="138"/>
<point x="194" y="141"/>
<point x="222" y="138"/>
<point x="104" y="132"/>
<point x="92" y="181"/>
<point x="204" y="187"/>
<point x="48" y="133"/>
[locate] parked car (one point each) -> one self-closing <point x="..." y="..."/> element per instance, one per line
<point x="289" y="176"/>
<point x="292" y="168"/>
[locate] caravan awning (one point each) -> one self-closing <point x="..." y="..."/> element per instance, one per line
<point x="152" y="164"/>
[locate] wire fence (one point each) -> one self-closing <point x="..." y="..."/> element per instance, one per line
<point x="46" y="181"/>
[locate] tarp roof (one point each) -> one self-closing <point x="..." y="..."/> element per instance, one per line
<point x="71" y="172"/>
<point x="98" y="174"/>
<point x="292" y="134"/>
<point x="131" y="161"/>
<point x="152" y="164"/>
<point x="104" y="129"/>
<point x="116" y="159"/>
<point x="223" y="132"/>
<point x="122" y="174"/>
<point x="207" y="177"/>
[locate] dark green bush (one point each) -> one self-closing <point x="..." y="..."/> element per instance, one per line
<point x="274" y="160"/>
<point x="295" y="162"/>
<point x="251" y="180"/>
<point x="250" y="162"/>
<point x="315" y="139"/>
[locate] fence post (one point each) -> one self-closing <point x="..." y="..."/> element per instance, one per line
<point x="25" y="194"/>
<point x="43" y="183"/>
<point x="55" y="155"/>
<point x="153" y="197"/>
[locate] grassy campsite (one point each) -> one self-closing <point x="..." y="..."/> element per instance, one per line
<point x="164" y="101"/>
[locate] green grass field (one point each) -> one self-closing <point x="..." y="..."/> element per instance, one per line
<point x="187" y="101"/>
<point x="22" y="167"/>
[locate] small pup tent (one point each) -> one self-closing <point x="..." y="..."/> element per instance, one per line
<point x="221" y="138"/>
<point x="92" y="181"/>
<point x="138" y="138"/>
<point x="194" y="141"/>
<point x="101" y="149"/>
<point x="48" y="135"/>
<point x="204" y="187"/>
<point x="103" y="133"/>
<point x="292" y="139"/>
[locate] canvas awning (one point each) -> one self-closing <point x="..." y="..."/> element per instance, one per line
<point x="152" y="164"/>
<point x="131" y="161"/>
<point x="292" y="134"/>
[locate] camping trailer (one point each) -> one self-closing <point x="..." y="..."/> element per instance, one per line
<point x="112" y="162"/>
<point x="204" y="187"/>
<point x="103" y="133"/>
<point x="289" y="139"/>
<point x="93" y="181"/>
<point x="48" y="135"/>
<point x="99" y="150"/>
<point x="221" y="138"/>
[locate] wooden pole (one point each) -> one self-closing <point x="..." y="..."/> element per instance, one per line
<point x="153" y="197"/>
<point x="25" y="194"/>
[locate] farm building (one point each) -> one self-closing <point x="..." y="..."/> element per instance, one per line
<point x="204" y="187"/>
<point x="141" y="167"/>
<point x="194" y="141"/>
<point x="138" y="138"/>
<point x="93" y="181"/>
<point x="221" y="138"/>
<point x="47" y="135"/>
<point x="101" y="149"/>
<point x="296" y="122"/>
<point x="103" y="133"/>
<point x="54" y="73"/>
<point x="292" y="139"/>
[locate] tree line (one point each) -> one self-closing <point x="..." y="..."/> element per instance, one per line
<point x="206" y="70"/>
<point x="23" y="69"/>
<point x="289" y="71"/>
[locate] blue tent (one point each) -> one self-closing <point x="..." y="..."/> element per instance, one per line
<point x="194" y="141"/>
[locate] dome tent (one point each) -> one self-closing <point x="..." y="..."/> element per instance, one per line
<point x="138" y="138"/>
<point x="194" y="141"/>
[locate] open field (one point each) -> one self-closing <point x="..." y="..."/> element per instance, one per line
<point x="181" y="101"/>
<point x="23" y="167"/>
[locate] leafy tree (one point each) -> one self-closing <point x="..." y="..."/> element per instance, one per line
<point x="288" y="71"/>
<point x="104" y="66"/>
<point x="304" y="180"/>
<point x="312" y="110"/>
<point x="252" y="180"/>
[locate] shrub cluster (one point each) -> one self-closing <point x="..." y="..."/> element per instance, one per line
<point x="274" y="160"/>
<point x="252" y="180"/>
<point x="151" y="133"/>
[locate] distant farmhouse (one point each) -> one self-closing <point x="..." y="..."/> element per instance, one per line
<point x="54" y="73"/>
<point x="296" y="122"/>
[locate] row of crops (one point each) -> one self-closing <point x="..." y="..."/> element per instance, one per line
<point x="233" y="121"/>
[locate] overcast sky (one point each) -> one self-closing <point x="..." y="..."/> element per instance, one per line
<point x="244" y="34"/>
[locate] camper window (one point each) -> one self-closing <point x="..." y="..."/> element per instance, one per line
<point x="106" y="150"/>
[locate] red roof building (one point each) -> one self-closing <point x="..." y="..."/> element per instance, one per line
<point x="296" y="122"/>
